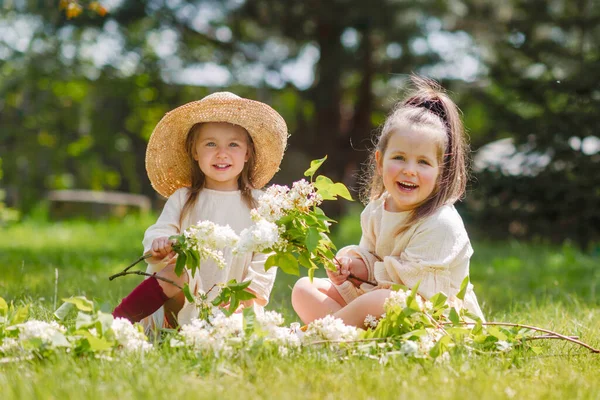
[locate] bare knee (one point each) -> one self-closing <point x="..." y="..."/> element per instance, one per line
<point x="301" y="289"/>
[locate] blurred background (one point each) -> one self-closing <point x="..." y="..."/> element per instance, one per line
<point x="82" y="85"/>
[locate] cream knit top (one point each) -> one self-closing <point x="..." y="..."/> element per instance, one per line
<point x="223" y="208"/>
<point x="434" y="251"/>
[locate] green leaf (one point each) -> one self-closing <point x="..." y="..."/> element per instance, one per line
<point x="497" y="333"/>
<point x="188" y="293"/>
<point x="330" y="190"/>
<point x="454" y="316"/>
<point x="314" y="166"/>
<point x="235" y="285"/>
<point x="104" y="322"/>
<point x="339" y="189"/>
<point x="312" y="239"/>
<point x="3" y="306"/>
<point x="324" y="187"/>
<point x="245" y="295"/>
<point x="81" y="303"/>
<point x="180" y="265"/>
<point x="20" y="316"/>
<point x="270" y="262"/>
<point x="249" y="319"/>
<point x="463" y="288"/>
<point x="62" y="311"/>
<point x="287" y="263"/>
<point x="194" y="260"/>
<point x="438" y="300"/>
<point x="84" y="320"/>
<point x="96" y="344"/>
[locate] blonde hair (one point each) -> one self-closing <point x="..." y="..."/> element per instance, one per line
<point x="427" y="108"/>
<point x="199" y="179"/>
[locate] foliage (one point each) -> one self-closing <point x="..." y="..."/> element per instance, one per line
<point x="542" y="91"/>
<point x="290" y="224"/>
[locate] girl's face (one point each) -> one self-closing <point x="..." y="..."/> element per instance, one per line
<point x="221" y="149"/>
<point x="409" y="167"/>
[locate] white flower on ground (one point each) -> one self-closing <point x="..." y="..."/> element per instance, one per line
<point x="129" y="337"/>
<point x="371" y="321"/>
<point x="409" y="348"/>
<point x="330" y="328"/>
<point x="50" y="333"/>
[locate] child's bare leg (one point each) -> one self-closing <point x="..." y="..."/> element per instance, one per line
<point x="316" y="299"/>
<point x="369" y="303"/>
<point x="176" y="296"/>
<point x="168" y="272"/>
<point x="172" y="308"/>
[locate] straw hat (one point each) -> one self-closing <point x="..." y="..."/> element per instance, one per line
<point x="167" y="162"/>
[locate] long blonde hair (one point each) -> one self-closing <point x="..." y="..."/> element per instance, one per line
<point x="199" y="179"/>
<point x="427" y="108"/>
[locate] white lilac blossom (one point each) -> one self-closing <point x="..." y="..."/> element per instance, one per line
<point x="427" y="341"/>
<point x="219" y="334"/>
<point x="49" y="333"/>
<point x="273" y="203"/>
<point x="371" y="321"/>
<point x="270" y="323"/>
<point x="130" y="337"/>
<point x="260" y="236"/>
<point x="209" y="239"/>
<point x="329" y="328"/>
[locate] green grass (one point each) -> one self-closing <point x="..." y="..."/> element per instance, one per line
<point x="544" y="285"/>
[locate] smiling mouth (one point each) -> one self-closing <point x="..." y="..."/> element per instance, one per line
<point x="407" y="186"/>
<point x="221" y="167"/>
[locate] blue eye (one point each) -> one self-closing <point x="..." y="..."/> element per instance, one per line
<point x="211" y="144"/>
<point x="233" y="144"/>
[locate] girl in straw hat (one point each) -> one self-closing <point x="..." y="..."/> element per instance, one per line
<point x="209" y="157"/>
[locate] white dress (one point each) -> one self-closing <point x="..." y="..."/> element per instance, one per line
<point x="223" y="208"/>
<point x="434" y="252"/>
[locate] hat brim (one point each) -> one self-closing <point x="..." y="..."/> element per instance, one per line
<point x="167" y="163"/>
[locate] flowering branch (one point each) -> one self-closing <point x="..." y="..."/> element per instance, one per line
<point x="533" y="328"/>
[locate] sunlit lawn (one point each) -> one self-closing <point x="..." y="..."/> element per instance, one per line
<point x="550" y="286"/>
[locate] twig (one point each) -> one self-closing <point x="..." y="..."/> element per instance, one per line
<point x="350" y="341"/>
<point x="352" y="276"/>
<point x="540" y="337"/>
<point x="124" y="272"/>
<point x="533" y="328"/>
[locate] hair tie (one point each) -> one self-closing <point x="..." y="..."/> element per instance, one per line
<point x="436" y="107"/>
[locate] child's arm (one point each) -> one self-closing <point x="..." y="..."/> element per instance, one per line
<point x="166" y="226"/>
<point x="437" y="257"/>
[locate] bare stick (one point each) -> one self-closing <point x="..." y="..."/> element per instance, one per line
<point x="534" y="328"/>
<point x="124" y="272"/>
<point x="540" y="337"/>
<point x="160" y="278"/>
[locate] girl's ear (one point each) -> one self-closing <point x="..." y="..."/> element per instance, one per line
<point x="378" y="161"/>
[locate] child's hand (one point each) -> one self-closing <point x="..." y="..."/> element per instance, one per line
<point x="161" y="248"/>
<point x="343" y="271"/>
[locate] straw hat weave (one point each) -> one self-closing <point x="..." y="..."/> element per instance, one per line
<point x="167" y="162"/>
